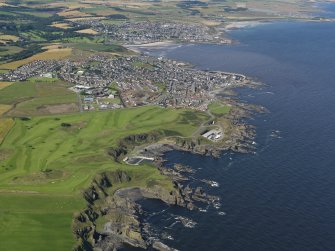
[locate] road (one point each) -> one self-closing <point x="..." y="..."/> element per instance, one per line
<point x="80" y="103"/>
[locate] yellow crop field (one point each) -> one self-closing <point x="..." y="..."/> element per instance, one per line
<point x="61" y="25"/>
<point x="210" y="22"/>
<point x="53" y="52"/>
<point x="85" y="18"/>
<point x="73" y="13"/>
<point x="9" y="38"/>
<point x="88" y="31"/>
<point x="6" y="5"/>
<point x="4" y="84"/>
<point x="4" y="108"/>
<point x="5" y="125"/>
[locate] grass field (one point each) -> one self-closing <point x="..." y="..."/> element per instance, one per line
<point x="44" y="166"/>
<point x="34" y="35"/>
<point x="9" y="50"/>
<point x="79" y="151"/>
<point x="100" y="47"/>
<point x="37" y="222"/>
<point x="219" y="109"/>
<point x="37" y="97"/>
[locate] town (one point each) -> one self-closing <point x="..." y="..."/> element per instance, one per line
<point x="148" y="32"/>
<point x="109" y="83"/>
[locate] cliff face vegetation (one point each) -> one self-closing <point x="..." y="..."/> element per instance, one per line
<point x="111" y="217"/>
<point x="84" y="225"/>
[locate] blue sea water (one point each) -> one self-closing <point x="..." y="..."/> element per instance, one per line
<point x="328" y="9"/>
<point x="282" y="197"/>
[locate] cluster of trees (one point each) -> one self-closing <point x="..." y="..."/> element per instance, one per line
<point x="191" y="4"/>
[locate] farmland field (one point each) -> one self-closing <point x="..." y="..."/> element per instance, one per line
<point x="8" y="37"/>
<point x="4" y="108"/>
<point x="88" y="31"/>
<point x="4" y="84"/>
<point x="61" y="25"/>
<point x="51" y="53"/>
<point x="9" y="50"/>
<point x="5" y="126"/>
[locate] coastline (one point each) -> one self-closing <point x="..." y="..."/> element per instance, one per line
<point x="243" y="24"/>
<point x="157" y="151"/>
<point x="129" y="228"/>
<point x="121" y="207"/>
<point x="74" y="166"/>
<point x="162" y="44"/>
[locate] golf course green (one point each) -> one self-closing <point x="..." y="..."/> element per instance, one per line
<point x="47" y="161"/>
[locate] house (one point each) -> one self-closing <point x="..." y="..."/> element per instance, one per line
<point x="47" y="75"/>
<point x="213" y="135"/>
<point x="88" y="99"/>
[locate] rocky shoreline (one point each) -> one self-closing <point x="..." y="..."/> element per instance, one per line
<point x="114" y="217"/>
<point x="123" y="211"/>
<point x="120" y="210"/>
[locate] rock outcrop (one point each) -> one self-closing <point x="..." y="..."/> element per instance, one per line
<point x="111" y="217"/>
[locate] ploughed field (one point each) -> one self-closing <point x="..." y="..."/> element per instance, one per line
<point x="47" y="160"/>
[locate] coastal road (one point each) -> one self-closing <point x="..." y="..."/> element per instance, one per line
<point x="204" y="124"/>
<point x="80" y="103"/>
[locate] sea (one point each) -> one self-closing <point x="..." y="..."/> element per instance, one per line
<point x="282" y="197"/>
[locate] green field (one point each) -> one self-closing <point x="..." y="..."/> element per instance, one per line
<point x="37" y="222"/>
<point x="39" y="96"/>
<point x="44" y="166"/>
<point x="218" y="109"/>
<point x="100" y="47"/>
<point x="7" y="50"/>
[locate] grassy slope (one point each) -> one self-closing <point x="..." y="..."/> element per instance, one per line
<point x="38" y="214"/>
